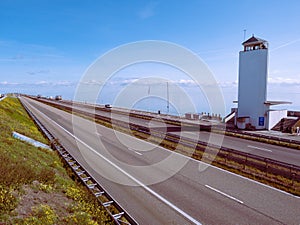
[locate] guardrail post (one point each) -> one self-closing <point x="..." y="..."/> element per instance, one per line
<point x="266" y="167"/>
<point x="293" y="178"/>
<point x="245" y="163"/>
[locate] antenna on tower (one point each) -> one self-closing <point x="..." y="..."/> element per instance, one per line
<point x="245" y="34"/>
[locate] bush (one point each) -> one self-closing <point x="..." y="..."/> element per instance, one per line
<point x="86" y="205"/>
<point x="42" y="215"/>
<point x="19" y="172"/>
<point x="79" y="218"/>
<point x="8" y="202"/>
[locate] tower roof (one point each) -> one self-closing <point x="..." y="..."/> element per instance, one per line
<point x="254" y="41"/>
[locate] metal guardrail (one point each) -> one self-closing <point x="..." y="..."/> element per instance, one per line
<point x="280" y="139"/>
<point x="88" y="180"/>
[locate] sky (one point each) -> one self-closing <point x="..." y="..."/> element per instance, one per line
<point x="46" y="46"/>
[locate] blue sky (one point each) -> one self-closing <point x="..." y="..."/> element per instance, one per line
<point x="47" y="45"/>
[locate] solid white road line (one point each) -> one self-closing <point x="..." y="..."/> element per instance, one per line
<point x="222" y="193"/>
<point x="174" y="207"/>
<point x="98" y="134"/>
<point x="138" y="153"/>
<point x="130" y="149"/>
<point x="263" y="149"/>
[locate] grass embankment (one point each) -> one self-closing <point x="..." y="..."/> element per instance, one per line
<point x="34" y="186"/>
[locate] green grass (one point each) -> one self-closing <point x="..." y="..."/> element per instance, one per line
<point x="13" y="117"/>
<point x="25" y="166"/>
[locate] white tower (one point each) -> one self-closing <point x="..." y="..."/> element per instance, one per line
<point x="252" y="90"/>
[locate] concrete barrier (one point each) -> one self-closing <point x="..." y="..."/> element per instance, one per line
<point x="30" y="141"/>
<point x="2" y="98"/>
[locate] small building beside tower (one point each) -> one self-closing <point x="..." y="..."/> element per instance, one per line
<point x="254" y="111"/>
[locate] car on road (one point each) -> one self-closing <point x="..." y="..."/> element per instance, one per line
<point x="58" y="97"/>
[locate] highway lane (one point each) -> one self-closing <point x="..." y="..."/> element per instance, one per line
<point x="211" y="197"/>
<point x="145" y="207"/>
<point x="279" y="153"/>
<point x="111" y="114"/>
<point x="283" y="154"/>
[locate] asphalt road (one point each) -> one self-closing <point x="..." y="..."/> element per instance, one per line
<point x="279" y="153"/>
<point x="159" y="187"/>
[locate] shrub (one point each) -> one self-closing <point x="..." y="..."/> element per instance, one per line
<point x="18" y="172"/>
<point x="79" y="218"/>
<point x="8" y="202"/>
<point x="41" y="215"/>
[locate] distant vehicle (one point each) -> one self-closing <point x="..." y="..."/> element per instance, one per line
<point x="58" y="97"/>
<point x="107" y="106"/>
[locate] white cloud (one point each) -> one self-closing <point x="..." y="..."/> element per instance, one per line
<point x="283" y="81"/>
<point x="276" y="72"/>
<point x="154" y="82"/>
<point x="39" y="83"/>
<point x="43" y="82"/>
<point x="185" y="82"/>
<point x="54" y="83"/>
<point x="65" y="83"/>
<point x="127" y="81"/>
<point x="157" y="81"/>
<point x="8" y="83"/>
<point x="92" y="82"/>
<point x="228" y="84"/>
